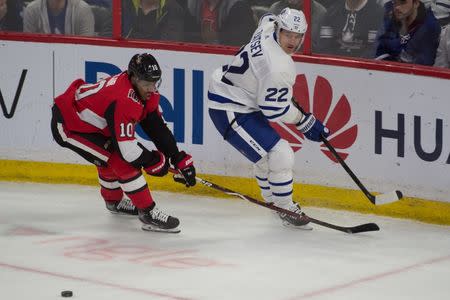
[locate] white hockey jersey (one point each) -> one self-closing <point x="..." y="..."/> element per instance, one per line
<point x="260" y="77"/>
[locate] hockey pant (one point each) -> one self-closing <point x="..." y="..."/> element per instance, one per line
<point x="116" y="175"/>
<point x="253" y="136"/>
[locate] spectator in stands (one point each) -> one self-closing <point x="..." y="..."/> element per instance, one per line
<point x="410" y="33"/>
<point x="441" y="10"/>
<point x="426" y="2"/>
<point x="382" y="2"/>
<point x="318" y="12"/>
<point x="153" y="19"/>
<point x="350" y="28"/>
<point x="327" y="3"/>
<point x="103" y="20"/>
<point x="10" y="15"/>
<point x="266" y="3"/>
<point x="225" y="22"/>
<point x="443" y="51"/>
<point x="101" y="3"/>
<point x="72" y="17"/>
<point x="259" y="8"/>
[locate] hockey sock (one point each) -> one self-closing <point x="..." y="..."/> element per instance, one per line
<point x="281" y="185"/>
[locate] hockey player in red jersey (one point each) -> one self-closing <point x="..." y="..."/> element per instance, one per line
<point x="98" y="121"/>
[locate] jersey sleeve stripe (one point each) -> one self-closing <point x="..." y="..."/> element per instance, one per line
<point x="272" y="117"/>
<point x="130" y="150"/>
<point x="274" y="108"/>
<point x="221" y="99"/>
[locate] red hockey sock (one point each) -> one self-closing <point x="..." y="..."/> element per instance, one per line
<point x="141" y="199"/>
<point x="111" y="195"/>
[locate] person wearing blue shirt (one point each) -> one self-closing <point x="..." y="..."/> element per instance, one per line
<point x="10" y="15"/>
<point x="410" y="33"/>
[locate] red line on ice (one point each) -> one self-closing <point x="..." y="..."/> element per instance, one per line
<point x="369" y="278"/>
<point x="93" y="281"/>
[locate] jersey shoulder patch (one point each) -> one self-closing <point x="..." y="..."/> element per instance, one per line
<point x="133" y="96"/>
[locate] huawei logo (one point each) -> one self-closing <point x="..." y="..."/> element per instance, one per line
<point x="335" y="117"/>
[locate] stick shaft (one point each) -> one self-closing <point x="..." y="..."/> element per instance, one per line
<point x="349" y="171"/>
<point x="342" y="162"/>
<point x="354" y="229"/>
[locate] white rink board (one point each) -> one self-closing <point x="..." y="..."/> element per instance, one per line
<point x="422" y="102"/>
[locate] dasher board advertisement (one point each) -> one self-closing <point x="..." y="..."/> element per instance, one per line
<point x="392" y="129"/>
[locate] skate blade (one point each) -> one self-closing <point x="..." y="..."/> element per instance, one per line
<point x="115" y="213"/>
<point x="302" y="227"/>
<point x="148" y="227"/>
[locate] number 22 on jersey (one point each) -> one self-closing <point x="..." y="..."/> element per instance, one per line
<point x="276" y="95"/>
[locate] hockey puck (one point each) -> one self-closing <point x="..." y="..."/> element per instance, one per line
<point x="66" y="294"/>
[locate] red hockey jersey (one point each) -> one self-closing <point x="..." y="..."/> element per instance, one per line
<point x="110" y="107"/>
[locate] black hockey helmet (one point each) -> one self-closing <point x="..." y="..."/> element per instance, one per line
<point x="145" y="67"/>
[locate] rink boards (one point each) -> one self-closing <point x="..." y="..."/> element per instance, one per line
<point x="392" y="128"/>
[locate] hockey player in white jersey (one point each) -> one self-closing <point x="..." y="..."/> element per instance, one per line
<point x="257" y="88"/>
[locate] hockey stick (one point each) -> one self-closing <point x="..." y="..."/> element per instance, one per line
<point x="375" y="199"/>
<point x="351" y="230"/>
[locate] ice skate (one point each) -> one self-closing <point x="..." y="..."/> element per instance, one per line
<point x="123" y="207"/>
<point x="290" y="221"/>
<point x="156" y="220"/>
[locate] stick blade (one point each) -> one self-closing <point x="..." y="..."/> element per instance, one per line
<point x="388" y="197"/>
<point x="363" y="228"/>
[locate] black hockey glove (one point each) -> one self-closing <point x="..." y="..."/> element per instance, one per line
<point x="157" y="164"/>
<point x="184" y="164"/>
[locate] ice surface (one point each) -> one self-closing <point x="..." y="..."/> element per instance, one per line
<point x="60" y="237"/>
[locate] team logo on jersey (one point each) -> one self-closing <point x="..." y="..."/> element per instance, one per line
<point x="336" y="118"/>
<point x="132" y="95"/>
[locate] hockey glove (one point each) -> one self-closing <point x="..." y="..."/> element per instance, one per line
<point x="184" y="164"/>
<point x="312" y="128"/>
<point x="157" y="165"/>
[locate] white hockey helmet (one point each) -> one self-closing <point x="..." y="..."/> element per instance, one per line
<point x="292" y="20"/>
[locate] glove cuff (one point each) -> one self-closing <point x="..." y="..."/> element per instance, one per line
<point x="306" y="123"/>
<point x="157" y="164"/>
<point x="181" y="160"/>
